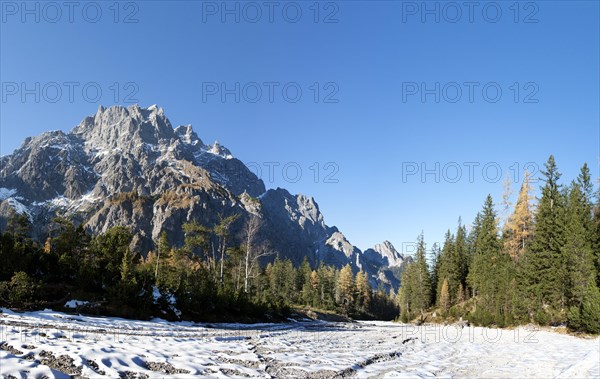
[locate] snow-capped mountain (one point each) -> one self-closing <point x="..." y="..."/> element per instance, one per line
<point x="130" y="167"/>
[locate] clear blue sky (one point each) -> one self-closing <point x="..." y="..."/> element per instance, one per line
<point x="372" y="54"/>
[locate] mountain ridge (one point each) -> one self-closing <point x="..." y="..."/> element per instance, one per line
<point x="128" y="166"/>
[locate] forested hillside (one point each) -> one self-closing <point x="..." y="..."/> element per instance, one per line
<point x="541" y="264"/>
<point x="208" y="278"/>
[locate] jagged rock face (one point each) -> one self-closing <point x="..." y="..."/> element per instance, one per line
<point x="384" y="254"/>
<point x="141" y="142"/>
<point x="294" y="224"/>
<point x="130" y="167"/>
<point x="151" y="216"/>
<point x="338" y="251"/>
<point x="120" y="150"/>
<point x="48" y="166"/>
<point x="126" y="129"/>
<point x="386" y="278"/>
<point x="385" y="265"/>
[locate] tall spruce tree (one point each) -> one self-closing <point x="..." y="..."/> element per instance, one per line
<point x="545" y="267"/>
<point x="423" y="295"/>
<point x="435" y="269"/>
<point x="592" y="218"/>
<point x="470" y="251"/>
<point x="404" y="294"/>
<point x="461" y="249"/>
<point x="472" y="237"/>
<point x="584" y="181"/>
<point x="416" y="283"/>
<point x="578" y="248"/>
<point x="483" y="270"/>
<point x="451" y="263"/>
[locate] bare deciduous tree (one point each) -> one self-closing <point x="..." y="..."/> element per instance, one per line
<point x="222" y="231"/>
<point x="253" y="251"/>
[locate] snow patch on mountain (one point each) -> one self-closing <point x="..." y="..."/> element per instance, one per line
<point x="5" y="193"/>
<point x="19" y="207"/>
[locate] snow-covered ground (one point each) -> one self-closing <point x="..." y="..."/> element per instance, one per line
<point x="54" y="344"/>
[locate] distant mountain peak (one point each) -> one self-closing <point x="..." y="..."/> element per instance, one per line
<point x="387" y="250"/>
<point x="187" y="135"/>
<point x="219" y="150"/>
<point x="385" y="253"/>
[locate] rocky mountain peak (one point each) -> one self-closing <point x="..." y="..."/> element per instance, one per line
<point x="187" y="135"/>
<point x="385" y="253"/>
<point x="219" y="150"/>
<point x="125" y="127"/>
<point x="389" y="252"/>
<point x="339" y="242"/>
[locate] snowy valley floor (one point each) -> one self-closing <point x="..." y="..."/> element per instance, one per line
<point x="53" y="344"/>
